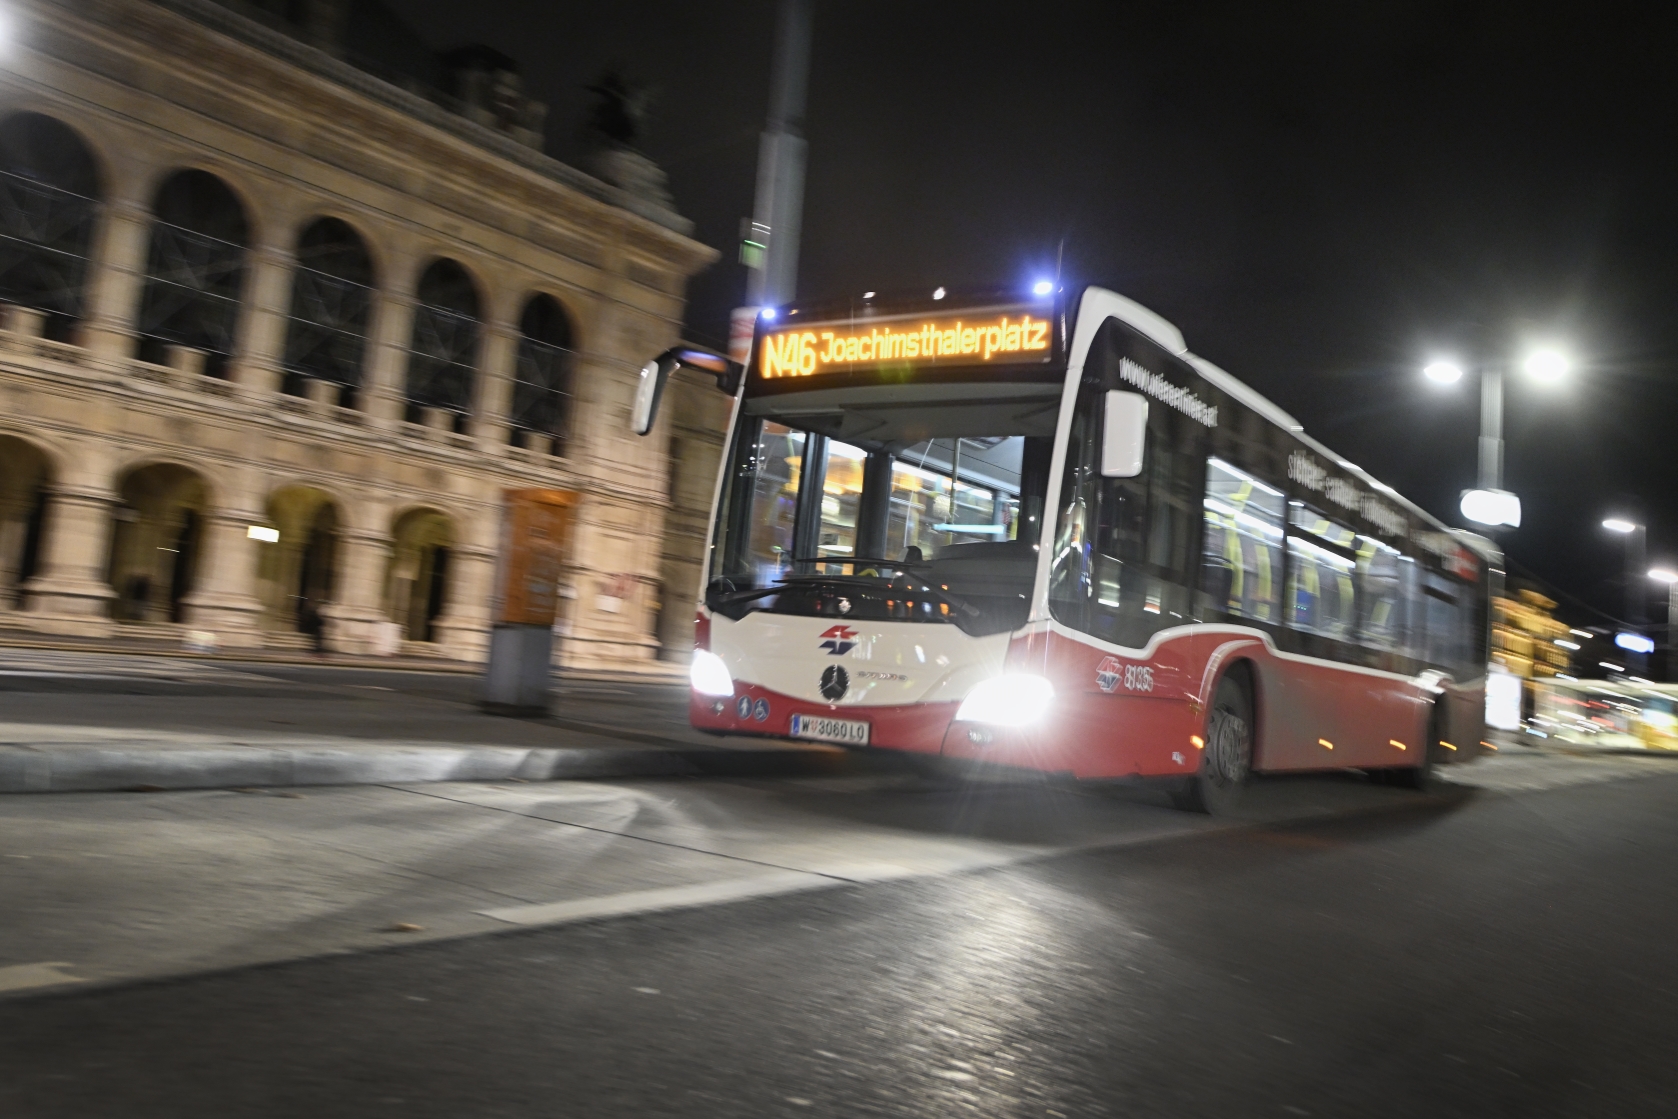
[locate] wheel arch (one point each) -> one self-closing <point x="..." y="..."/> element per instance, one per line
<point x="1238" y="658"/>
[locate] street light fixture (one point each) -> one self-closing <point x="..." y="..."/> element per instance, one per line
<point x="1545" y="365"/>
<point x="1491" y="504"/>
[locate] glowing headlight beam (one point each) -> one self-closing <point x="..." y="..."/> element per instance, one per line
<point x="1014" y="699"/>
<point x="709" y="675"/>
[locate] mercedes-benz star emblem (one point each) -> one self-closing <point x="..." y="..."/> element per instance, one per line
<point x="835" y="682"/>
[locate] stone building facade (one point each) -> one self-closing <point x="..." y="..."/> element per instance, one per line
<point x="280" y="332"/>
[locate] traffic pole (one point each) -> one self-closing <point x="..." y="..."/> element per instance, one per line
<point x="770" y="246"/>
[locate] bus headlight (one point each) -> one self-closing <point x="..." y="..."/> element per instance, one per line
<point x="1011" y="700"/>
<point x="709" y="675"/>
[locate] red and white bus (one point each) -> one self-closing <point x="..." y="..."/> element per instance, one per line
<point x="1038" y="531"/>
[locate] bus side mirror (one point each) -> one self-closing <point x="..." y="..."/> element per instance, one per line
<point x="1124" y="434"/>
<point x="656" y="372"/>
<point x="647" y="394"/>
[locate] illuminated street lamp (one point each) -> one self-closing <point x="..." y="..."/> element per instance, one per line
<point x="1491" y="504"/>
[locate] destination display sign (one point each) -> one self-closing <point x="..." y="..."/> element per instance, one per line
<point x="972" y="336"/>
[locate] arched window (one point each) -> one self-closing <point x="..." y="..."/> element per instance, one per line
<point x="542" y="390"/>
<point x="444" y="351"/>
<point x="194" y="270"/>
<point x="331" y="293"/>
<point x="49" y="192"/>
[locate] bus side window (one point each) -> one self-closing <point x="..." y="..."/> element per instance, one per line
<point x="1445" y="632"/>
<point x="1321" y="590"/>
<point x="1414" y="616"/>
<point x="1380" y="603"/>
<point x="1241" y="558"/>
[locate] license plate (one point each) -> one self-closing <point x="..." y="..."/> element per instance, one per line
<point x="850" y="732"/>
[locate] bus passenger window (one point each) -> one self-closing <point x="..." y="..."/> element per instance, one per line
<point x="1380" y="603"/>
<point x="1448" y="639"/>
<point x="1241" y="561"/>
<point x="1413" y="611"/>
<point x="1321" y="594"/>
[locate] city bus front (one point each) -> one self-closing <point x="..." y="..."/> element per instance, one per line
<point x="877" y="523"/>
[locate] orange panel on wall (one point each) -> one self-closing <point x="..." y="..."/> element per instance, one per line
<point x="535" y="534"/>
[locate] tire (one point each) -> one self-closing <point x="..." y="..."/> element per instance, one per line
<point x="1226" y="761"/>
<point x="1420" y="777"/>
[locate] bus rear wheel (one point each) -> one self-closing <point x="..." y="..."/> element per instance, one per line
<point x="1226" y="760"/>
<point x="1420" y="777"/>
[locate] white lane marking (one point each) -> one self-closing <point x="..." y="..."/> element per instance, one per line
<point x="664" y="898"/>
<point x="21" y="977"/>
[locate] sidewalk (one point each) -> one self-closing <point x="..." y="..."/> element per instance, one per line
<point x="13" y="641"/>
<point x="86" y="760"/>
<point x="80" y="722"/>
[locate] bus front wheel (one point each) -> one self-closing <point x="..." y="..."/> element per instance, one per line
<point x="1226" y="759"/>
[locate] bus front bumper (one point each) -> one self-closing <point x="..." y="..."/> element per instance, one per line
<point x="914" y="727"/>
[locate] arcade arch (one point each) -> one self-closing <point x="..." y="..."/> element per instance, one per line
<point x="156" y="541"/>
<point x="25" y="477"/>
<point x="297" y="575"/>
<point x="417" y="589"/>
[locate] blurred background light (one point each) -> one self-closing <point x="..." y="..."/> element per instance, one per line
<point x="1545" y="365"/>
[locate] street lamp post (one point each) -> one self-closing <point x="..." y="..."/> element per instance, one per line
<point x="1491" y="428"/>
<point x="1670" y="578"/>
<point x="777" y="211"/>
<point x="1491" y="504"/>
<point x="1637" y="544"/>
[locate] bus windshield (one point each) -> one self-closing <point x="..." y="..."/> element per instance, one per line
<point x="914" y="503"/>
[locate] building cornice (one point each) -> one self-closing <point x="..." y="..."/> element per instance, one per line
<point x="137" y="22"/>
<point x="316" y="61"/>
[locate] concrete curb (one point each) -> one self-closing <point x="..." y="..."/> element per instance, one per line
<point x="113" y="767"/>
<point x="655" y="672"/>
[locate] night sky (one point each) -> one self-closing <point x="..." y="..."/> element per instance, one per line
<point x="1323" y="197"/>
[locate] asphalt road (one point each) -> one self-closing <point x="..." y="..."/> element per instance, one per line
<point x="1506" y="952"/>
